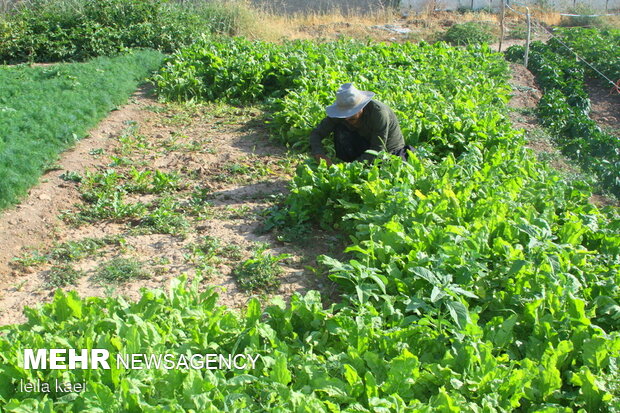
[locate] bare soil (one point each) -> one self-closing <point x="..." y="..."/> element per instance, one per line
<point x="224" y="151"/>
<point x="605" y="106"/>
<point x="605" y="111"/>
<point x="524" y="100"/>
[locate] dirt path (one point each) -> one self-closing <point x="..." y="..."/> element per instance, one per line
<point x="204" y="174"/>
<point x="605" y="106"/>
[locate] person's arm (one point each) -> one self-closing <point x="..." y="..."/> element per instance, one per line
<point x="317" y="135"/>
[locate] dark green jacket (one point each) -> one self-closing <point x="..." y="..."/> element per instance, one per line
<point x="378" y="124"/>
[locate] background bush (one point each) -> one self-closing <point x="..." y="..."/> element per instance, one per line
<point x="75" y="30"/>
<point x="585" y="16"/>
<point x="469" y="33"/>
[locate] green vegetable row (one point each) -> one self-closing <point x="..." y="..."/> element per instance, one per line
<point x="597" y="47"/>
<point x="565" y="107"/>
<point x="440" y="106"/>
<point x="490" y="251"/>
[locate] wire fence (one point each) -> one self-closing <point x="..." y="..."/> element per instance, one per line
<point x="614" y="84"/>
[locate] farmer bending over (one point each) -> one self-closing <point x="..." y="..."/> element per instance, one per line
<point x="358" y="124"/>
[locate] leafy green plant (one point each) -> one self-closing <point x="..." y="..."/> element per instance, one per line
<point x="71" y="176"/>
<point x="260" y="272"/>
<point x="166" y="218"/>
<point x="59" y="30"/>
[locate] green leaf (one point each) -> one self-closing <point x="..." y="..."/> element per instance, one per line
<point x="280" y="373"/>
<point x="99" y="398"/>
<point x="589" y="390"/>
<point x="354" y="380"/>
<point x="594" y="353"/>
<point x="425" y="274"/>
<point x="504" y="335"/>
<point x="67" y="305"/>
<point x="371" y="385"/>
<point x="437" y="294"/>
<point x="458" y="312"/>
<point x="253" y="313"/>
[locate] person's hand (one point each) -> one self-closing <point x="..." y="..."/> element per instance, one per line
<point x="318" y="158"/>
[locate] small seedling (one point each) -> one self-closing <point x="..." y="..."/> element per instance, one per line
<point x="29" y="259"/>
<point x="166" y="218"/>
<point x="71" y="176"/>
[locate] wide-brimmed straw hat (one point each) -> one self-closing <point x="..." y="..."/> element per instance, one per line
<point x="349" y="101"/>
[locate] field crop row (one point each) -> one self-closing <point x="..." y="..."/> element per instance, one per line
<point x="441" y="107"/>
<point x="44" y="110"/>
<point x="477" y="279"/>
<point x="565" y="107"/>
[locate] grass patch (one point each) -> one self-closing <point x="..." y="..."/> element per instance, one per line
<point x="120" y="270"/>
<point x="45" y="110"/>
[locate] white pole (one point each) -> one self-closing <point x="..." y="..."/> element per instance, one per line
<point x="527" y="41"/>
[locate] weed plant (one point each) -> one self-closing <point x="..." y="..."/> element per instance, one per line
<point x="120" y="270"/>
<point x="29" y="259"/>
<point x="260" y="272"/>
<point x="45" y="110"/>
<point x="166" y="218"/>
<point x="61" y="255"/>
<point x="77" y="250"/>
<point x="63" y="275"/>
